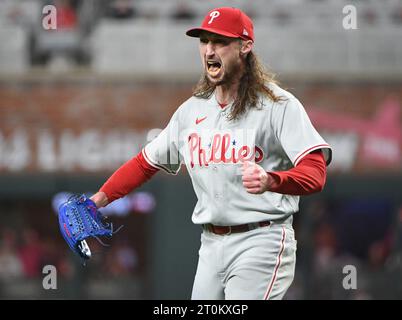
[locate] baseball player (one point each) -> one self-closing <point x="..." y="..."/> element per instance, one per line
<point x="250" y="150"/>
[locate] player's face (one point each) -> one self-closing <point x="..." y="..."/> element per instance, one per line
<point x="220" y="57"/>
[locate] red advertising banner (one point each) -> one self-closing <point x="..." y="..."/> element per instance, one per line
<point x="372" y="143"/>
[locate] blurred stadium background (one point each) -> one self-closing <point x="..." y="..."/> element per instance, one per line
<point x="77" y="102"/>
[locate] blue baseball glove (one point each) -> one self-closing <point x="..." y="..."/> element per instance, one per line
<point x="79" y="219"/>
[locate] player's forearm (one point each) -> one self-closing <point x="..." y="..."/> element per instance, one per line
<point x="306" y="178"/>
<point x="129" y="176"/>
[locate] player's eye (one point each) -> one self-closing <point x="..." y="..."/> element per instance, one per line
<point x="222" y="42"/>
<point x="203" y="40"/>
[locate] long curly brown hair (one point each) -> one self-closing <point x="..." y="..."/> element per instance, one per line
<point x="253" y="83"/>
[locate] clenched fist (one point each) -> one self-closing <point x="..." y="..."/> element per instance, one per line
<point x="255" y="179"/>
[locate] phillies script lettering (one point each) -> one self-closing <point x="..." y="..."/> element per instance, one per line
<point x="221" y="149"/>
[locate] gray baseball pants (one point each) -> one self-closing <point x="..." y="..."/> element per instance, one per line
<point x="252" y="265"/>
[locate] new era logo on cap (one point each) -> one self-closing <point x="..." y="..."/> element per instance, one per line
<point x="226" y="21"/>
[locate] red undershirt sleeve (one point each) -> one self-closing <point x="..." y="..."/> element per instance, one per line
<point x="306" y="178"/>
<point x="129" y="176"/>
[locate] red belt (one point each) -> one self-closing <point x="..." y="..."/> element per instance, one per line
<point x="224" y="230"/>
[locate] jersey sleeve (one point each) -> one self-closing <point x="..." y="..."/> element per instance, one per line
<point x="296" y="133"/>
<point x="163" y="151"/>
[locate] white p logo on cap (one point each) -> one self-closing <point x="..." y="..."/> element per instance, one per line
<point x="213" y="15"/>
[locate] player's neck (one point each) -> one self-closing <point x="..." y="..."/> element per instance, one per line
<point x="226" y="94"/>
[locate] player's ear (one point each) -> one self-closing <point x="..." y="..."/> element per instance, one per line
<point x="245" y="47"/>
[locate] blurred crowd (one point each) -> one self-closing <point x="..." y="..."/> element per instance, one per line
<point x="325" y="257"/>
<point x="73" y="10"/>
<point x="24" y="253"/>
<point x="78" y="19"/>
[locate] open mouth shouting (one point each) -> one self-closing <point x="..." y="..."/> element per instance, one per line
<point x="213" y="67"/>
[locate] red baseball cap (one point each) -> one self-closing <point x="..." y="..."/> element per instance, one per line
<point x="226" y="21"/>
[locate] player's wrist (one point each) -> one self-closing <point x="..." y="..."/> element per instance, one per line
<point x="100" y="199"/>
<point x="268" y="181"/>
<point x="263" y="180"/>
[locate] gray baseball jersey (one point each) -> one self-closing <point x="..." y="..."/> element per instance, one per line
<point x="276" y="136"/>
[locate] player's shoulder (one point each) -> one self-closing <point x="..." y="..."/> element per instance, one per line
<point x="183" y="107"/>
<point x="188" y="107"/>
<point x="286" y="99"/>
<point x="192" y="102"/>
<point x="284" y="95"/>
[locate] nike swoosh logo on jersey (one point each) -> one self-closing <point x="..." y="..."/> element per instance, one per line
<point x="197" y="121"/>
